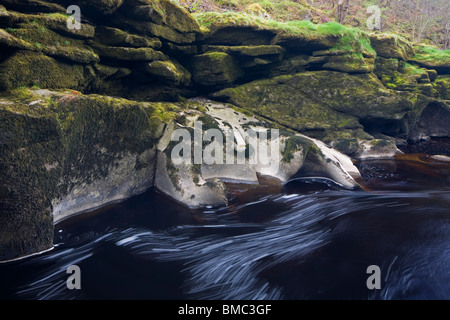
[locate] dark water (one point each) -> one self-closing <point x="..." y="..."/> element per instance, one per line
<point x="306" y="241"/>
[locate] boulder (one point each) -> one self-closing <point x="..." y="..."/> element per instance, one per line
<point x="168" y="71"/>
<point x="162" y="12"/>
<point x="434" y="120"/>
<point x="26" y="68"/>
<point x="391" y="46"/>
<point x="214" y="69"/>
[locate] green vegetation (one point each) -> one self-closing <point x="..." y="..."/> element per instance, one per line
<point x="432" y="54"/>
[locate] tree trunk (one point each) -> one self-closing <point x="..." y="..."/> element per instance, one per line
<point x="342" y="10"/>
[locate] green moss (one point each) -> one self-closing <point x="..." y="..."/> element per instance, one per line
<point x="348" y="146"/>
<point x="294" y="144"/>
<point x="208" y="122"/>
<point x="379" y="143"/>
<point x="31" y="68"/>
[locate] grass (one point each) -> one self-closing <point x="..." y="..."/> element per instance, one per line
<point x="413" y="70"/>
<point x="428" y="53"/>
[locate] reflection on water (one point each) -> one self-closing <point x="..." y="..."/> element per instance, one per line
<point x="306" y="241"/>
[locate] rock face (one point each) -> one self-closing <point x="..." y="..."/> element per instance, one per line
<point x="63" y="152"/>
<point x="87" y="115"/>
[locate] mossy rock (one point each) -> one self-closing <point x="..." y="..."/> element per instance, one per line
<point x="442" y="85"/>
<point x="290" y="65"/>
<point x="432" y="58"/>
<point x="234" y="29"/>
<point x="116" y="37"/>
<point x="249" y="51"/>
<point x="31" y="154"/>
<point x="33" y="6"/>
<point x="27" y="68"/>
<point x="177" y="50"/>
<point x="214" y="69"/>
<point x="53" y="21"/>
<point x="10" y="41"/>
<point x="159" y="92"/>
<point x="53" y="44"/>
<point x="162" y="12"/>
<point x="58" y="23"/>
<point x="63" y="152"/>
<point x="169" y="71"/>
<point x="386" y="66"/>
<point x="95" y="8"/>
<point x="391" y="46"/>
<point x="305" y="43"/>
<point x="348" y="146"/>
<point x="283" y="100"/>
<point x="319" y="100"/>
<point x="412" y="78"/>
<point x="350" y="63"/>
<point x="127" y="53"/>
<point x="154" y="30"/>
<point x="72" y="54"/>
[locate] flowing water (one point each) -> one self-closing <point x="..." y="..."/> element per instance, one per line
<point x="307" y="240"/>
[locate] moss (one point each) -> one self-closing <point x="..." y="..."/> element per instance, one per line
<point x="442" y="86"/>
<point x="127" y="54"/>
<point x="29" y="144"/>
<point x="433" y="58"/>
<point x="349" y="146"/>
<point x="116" y="37"/>
<point x="297" y="143"/>
<point x="169" y="71"/>
<point x="379" y="143"/>
<point x="391" y="46"/>
<point x="214" y="68"/>
<point x="30" y="68"/>
<point x="50" y="43"/>
<point x="208" y="122"/>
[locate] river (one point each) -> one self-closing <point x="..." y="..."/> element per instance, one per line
<point x="307" y="240"/>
